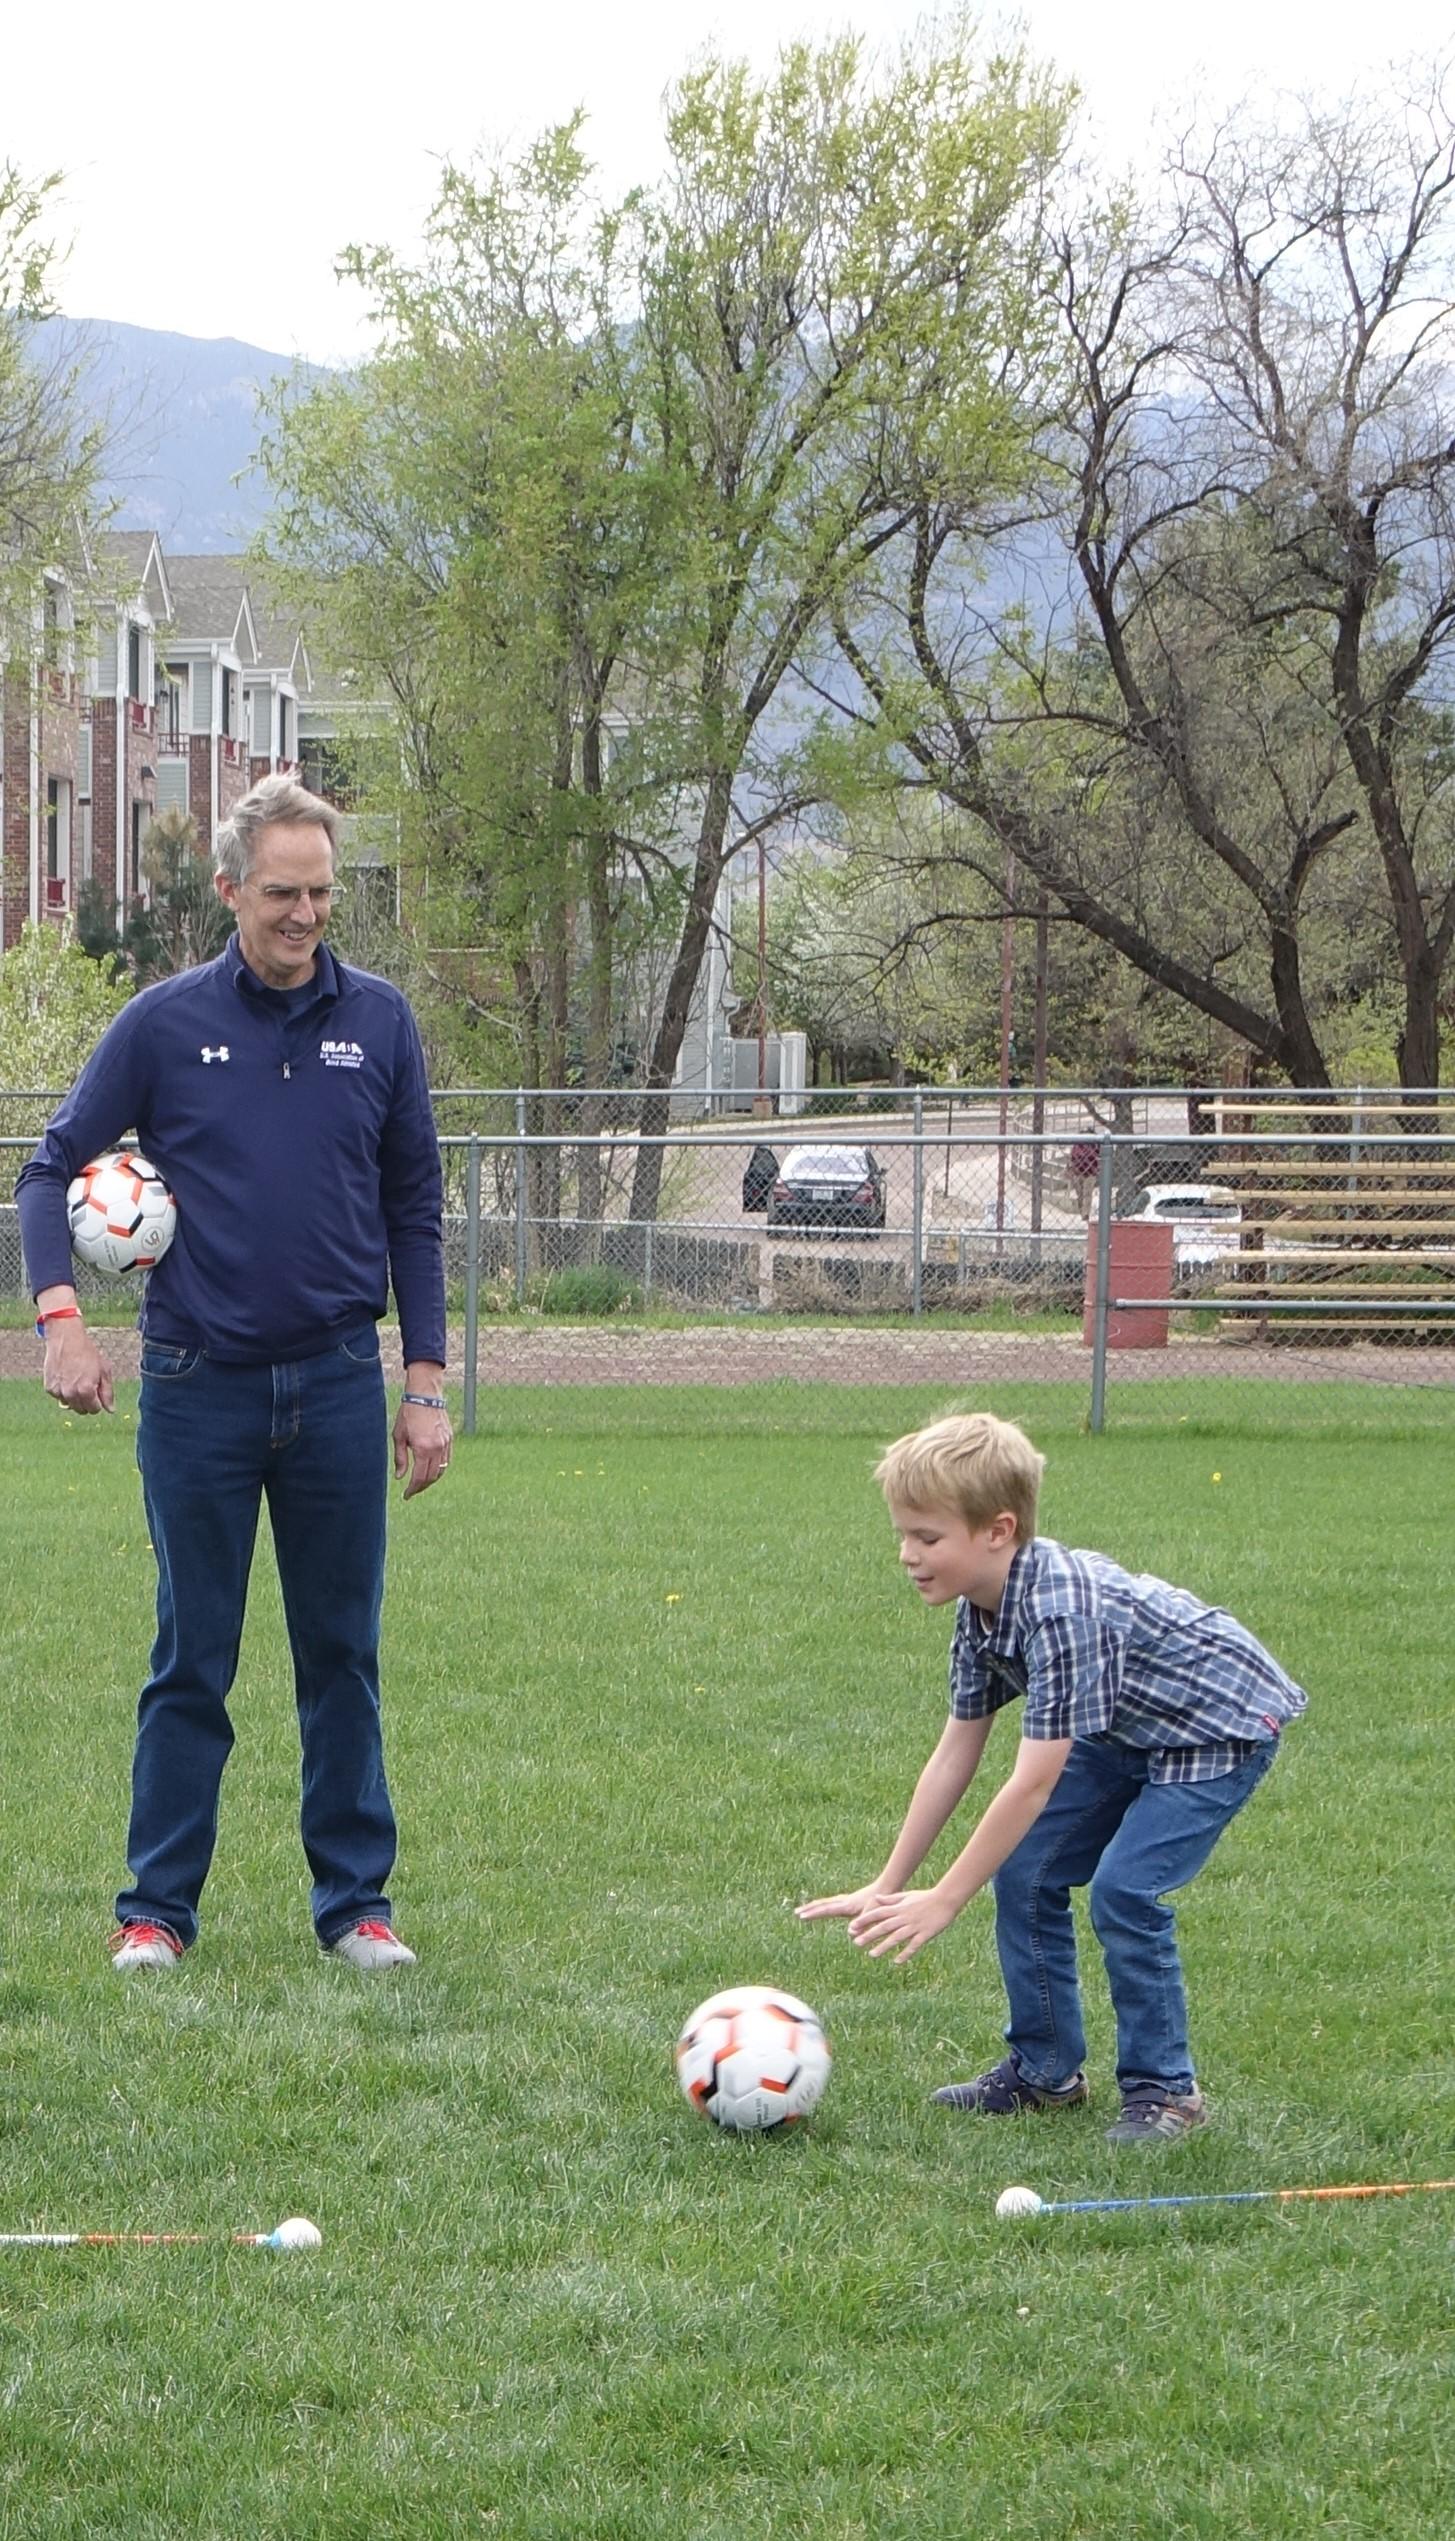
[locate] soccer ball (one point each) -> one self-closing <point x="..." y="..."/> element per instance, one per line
<point x="753" y="2057"/>
<point x="122" y="1215"/>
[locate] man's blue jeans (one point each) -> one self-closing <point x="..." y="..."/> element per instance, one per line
<point x="1136" y="1842"/>
<point x="212" y="1441"/>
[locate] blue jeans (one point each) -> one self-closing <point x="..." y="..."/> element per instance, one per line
<point x="212" y="1441"/>
<point x="1135" y="1841"/>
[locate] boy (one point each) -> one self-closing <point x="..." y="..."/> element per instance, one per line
<point x="1149" y="1720"/>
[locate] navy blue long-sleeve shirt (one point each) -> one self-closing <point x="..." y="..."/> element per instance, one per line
<point x="294" y="1130"/>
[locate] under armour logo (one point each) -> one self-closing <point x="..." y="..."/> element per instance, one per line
<point x="209" y="1055"/>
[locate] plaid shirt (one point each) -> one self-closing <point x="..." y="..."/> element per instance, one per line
<point x="1100" y="1653"/>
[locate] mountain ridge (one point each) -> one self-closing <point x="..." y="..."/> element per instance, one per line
<point x="181" y="413"/>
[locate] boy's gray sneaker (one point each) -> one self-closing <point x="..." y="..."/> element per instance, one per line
<point x="1005" y="2092"/>
<point x="1150" y="2115"/>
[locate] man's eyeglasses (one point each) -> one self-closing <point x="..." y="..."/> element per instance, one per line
<point x="286" y="895"/>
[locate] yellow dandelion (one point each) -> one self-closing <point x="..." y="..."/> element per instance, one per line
<point x="673" y="1597"/>
<point x="1217" y="1477"/>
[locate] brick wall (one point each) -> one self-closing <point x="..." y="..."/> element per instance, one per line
<point x="108" y="779"/>
<point x="60" y="712"/>
<point x="15" y="817"/>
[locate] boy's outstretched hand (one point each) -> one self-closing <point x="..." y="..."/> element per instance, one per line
<point x="902" y="1924"/>
<point x="852" y="1902"/>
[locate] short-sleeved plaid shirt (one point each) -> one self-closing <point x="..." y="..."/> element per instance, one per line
<point x="1100" y="1653"/>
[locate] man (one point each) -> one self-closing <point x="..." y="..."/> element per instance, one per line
<point x="284" y="1099"/>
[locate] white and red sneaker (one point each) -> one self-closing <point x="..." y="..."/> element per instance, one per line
<point x="371" y="1945"/>
<point x="144" y="1945"/>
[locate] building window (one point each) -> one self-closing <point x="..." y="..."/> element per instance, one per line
<point x="285" y="732"/>
<point x="170" y="678"/>
<point x="227" y="726"/>
<point x="59" y="627"/>
<point x="57" y="840"/>
<point x="134" y="660"/>
<point x="326" y="769"/>
<point x="135" y="878"/>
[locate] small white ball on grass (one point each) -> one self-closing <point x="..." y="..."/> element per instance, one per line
<point x="297" y="2234"/>
<point x="1017" y="2201"/>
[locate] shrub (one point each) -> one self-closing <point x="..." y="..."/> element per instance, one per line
<point x="592" y="1289"/>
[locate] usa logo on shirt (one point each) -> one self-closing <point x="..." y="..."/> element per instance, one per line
<point x="341" y="1054"/>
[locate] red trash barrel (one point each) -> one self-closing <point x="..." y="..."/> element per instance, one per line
<point x="1140" y="1265"/>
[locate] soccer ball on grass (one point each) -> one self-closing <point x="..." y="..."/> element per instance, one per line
<point x="753" y="2057"/>
<point x="122" y="1215"/>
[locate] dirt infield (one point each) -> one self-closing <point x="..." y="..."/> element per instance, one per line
<point x="599" y="1354"/>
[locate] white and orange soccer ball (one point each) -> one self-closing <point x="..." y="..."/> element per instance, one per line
<point x="753" y="2057"/>
<point x="122" y="1215"/>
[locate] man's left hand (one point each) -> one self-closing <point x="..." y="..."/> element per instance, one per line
<point x="902" y="1924"/>
<point x="422" y="1444"/>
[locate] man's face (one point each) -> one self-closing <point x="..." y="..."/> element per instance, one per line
<point x="282" y="908"/>
<point x="946" y="1557"/>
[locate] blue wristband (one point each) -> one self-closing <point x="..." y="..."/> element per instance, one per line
<point x="427" y="1402"/>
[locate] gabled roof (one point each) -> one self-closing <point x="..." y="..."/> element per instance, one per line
<point x="280" y="640"/>
<point x="133" y="558"/>
<point x="210" y="603"/>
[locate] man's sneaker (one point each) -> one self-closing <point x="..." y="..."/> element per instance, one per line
<point x="371" y="1945"/>
<point x="1005" y="2092"/>
<point x="144" y="1945"/>
<point x="1150" y="2115"/>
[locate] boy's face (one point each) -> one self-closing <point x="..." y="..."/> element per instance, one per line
<point x="947" y="1557"/>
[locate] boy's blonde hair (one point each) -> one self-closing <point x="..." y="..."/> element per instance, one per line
<point x="969" y="1462"/>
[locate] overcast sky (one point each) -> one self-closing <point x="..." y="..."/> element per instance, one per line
<point x="217" y="160"/>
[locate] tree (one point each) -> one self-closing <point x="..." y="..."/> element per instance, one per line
<point x="1236" y="743"/>
<point x="833" y="252"/>
<point x="607" y="471"/>
<point x="49" y="453"/>
<point x="55" y="1003"/>
<point x="471" y="523"/>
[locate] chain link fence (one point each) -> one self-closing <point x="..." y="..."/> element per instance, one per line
<point x="1123" y="1247"/>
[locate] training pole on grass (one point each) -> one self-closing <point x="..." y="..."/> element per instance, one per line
<point x="143" y="2240"/>
<point x="1242" y="2197"/>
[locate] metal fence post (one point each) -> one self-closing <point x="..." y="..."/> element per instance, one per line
<point x="472" y="1277"/>
<point x="521" y="1154"/>
<point x="917" y="1264"/>
<point x="1102" y="1300"/>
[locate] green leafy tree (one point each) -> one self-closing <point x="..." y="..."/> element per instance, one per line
<point x="834" y="248"/>
<point x="471" y="523"/>
<point x="181" y="921"/>
<point x="596" y="493"/>
<point x="55" y="1003"/>
<point x="49" y="450"/>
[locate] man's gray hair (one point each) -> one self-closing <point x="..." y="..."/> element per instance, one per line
<point x="274" y="802"/>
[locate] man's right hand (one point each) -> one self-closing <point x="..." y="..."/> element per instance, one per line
<point x="77" y="1373"/>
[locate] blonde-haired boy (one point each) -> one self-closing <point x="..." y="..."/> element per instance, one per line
<point x="1149" y="1720"/>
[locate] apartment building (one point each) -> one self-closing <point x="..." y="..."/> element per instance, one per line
<point x="161" y="683"/>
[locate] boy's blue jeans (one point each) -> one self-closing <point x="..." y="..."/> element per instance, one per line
<point x="212" y="1441"/>
<point x="1135" y="1841"/>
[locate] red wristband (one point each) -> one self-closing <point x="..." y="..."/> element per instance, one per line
<point x="57" y="1314"/>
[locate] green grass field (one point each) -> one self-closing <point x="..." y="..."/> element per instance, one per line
<point x="650" y="1678"/>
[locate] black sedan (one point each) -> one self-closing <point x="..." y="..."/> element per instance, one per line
<point x="822" y="1187"/>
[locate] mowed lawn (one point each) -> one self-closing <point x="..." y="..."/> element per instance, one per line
<point x="651" y="1677"/>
